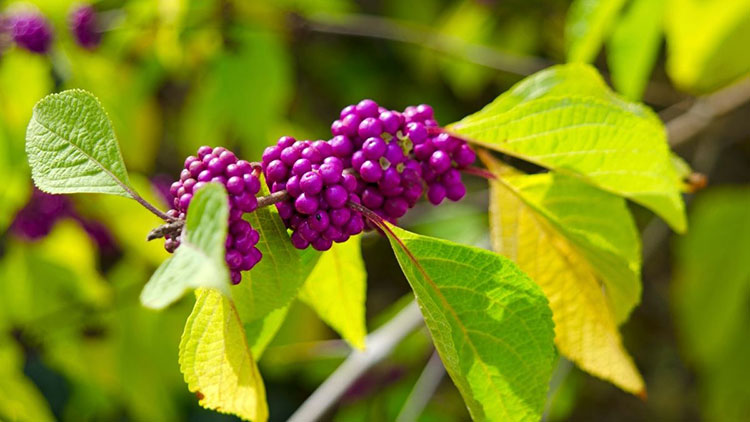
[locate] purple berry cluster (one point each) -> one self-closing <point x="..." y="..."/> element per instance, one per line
<point x="389" y="180"/>
<point x="242" y="184"/>
<point x="312" y="173"/>
<point x="85" y="27"/>
<point x="30" y="30"/>
<point x="440" y="155"/>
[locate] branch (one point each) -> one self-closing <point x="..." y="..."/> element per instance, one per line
<point x="423" y="390"/>
<point x="705" y="110"/>
<point x="376" y="27"/>
<point x="380" y="344"/>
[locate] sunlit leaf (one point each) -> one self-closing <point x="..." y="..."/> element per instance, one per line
<point x="634" y="46"/>
<point x="581" y="246"/>
<point x="490" y="323"/>
<point x="336" y="289"/>
<point x="587" y="25"/>
<point x="199" y="260"/>
<point x="566" y="119"/>
<point x="707" y="43"/>
<point x="216" y="360"/>
<point x="72" y="147"/>
<point x="710" y="298"/>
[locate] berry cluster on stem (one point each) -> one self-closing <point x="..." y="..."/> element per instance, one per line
<point x="378" y="160"/>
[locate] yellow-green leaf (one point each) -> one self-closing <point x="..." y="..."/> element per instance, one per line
<point x="216" y="360"/>
<point x="634" y="46"/>
<point x="566" y="119"/>
<point x="336" y="289"/>
<point x="587" y="25"/>
<point x="581" y="246"/>
<point x="707" y="43"/>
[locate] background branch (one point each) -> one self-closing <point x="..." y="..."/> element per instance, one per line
<point x="704" y="111"/>
<point x="423" y="390"/>
<point x="388" y="29"/>
<point x="380" y="343"/>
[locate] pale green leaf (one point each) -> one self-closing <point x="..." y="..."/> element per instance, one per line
<point x="634" y="46"/>
<point x="72" y="147"/>
<point x="566" y="119"/>
<point x="581" y="246"/>
<point x="336" y="290"/>
<point x="199" y="260"/>
<point x="490" y="324"/>
<point x="707" y="43"/>
<point x="216" y="360"/>
<point x="21" y="402"/>
<point x="710" y="299"/>
<point x="587" y="25"/>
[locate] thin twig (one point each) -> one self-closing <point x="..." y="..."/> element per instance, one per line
<point x="423" y="390"/>
<point x="705" y="110"/>
<point x="174" y="227"/>
<point x="157" y="212"/>
<point x="273" y="198"/>
<point x="380" y="343"/>
<point x="422" y="36"/>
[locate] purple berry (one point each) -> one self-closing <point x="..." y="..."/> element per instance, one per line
<point x="306" y="204"/>
<point x="436" y="194"/>
<point x="370" y="171"/>
<point x="370" y="127"/>
<point x="440" y="161"/>
<point x="31" y="30"/>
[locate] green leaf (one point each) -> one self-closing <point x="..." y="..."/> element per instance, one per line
<point x="634" y="46"/>
<point x="216" y="360"/>
<point x="490" y="324"/>
<point x="72" y="147"/>
<point x="710" y="300"/>
<point x="275" y="281"/>
<point x="707" y="43"/>
<point x="336" y="289"/>
<point x="21" y="402"/>
<point x="566" y="119"/>
<point x="581" y="246"/>
<point x="587" y="25"/>
<point x="199" y="260"/>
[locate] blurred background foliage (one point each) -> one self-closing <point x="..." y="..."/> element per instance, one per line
<point x="75" y="344"/>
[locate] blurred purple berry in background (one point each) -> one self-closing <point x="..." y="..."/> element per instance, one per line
<point x="37" y="218"/>
<point x="85" y="26"/>
<point x="31" y="30"/>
